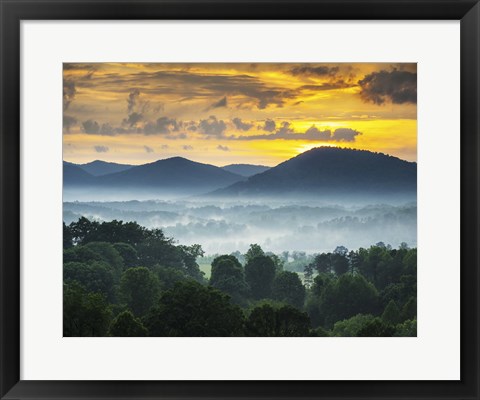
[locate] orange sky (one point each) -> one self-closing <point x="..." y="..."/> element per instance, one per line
<point x="236" y="113"/>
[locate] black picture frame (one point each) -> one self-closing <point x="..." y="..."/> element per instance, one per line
<point x="14" y="11"/>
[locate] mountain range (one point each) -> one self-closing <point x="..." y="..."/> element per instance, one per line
<point x="245" y="170"/>
<point x="330" y="171"/>
<point x="98" y="167"/>
<point x="323" y="171"/>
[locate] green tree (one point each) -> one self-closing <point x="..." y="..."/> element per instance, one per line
<point x="168" y="276"/>
<point x="67" y="237"/>
<point x="323" y="263"/>
<point x="266" y="320"/>
<point x="254" y="251"/>
<point x="109" y="254"/>
<point x="95" y="276"/>
<point x="84" y="313"/>
<point x="352" y="326"/>
<point x="139" y="289"/>
<point x="288" y="287"/>
<point x="191" y="309"/>
<point x="126" y="325"/>
<point x="391" y="314"/>
<point x="409" y="310"/>
<point x="407" y="328"/>
<point x="128" y="254"/>
<point x="339" y="260"/>
<point x="376" y="328"/>
<point x="228" y="276"/>
<point x="277" y="261"/>
<point x="259" y="274"/>
<point x="348" y="296"/>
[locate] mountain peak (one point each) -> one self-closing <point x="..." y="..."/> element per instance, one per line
<point x="331" y="171"/>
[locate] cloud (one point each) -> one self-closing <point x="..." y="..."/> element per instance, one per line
<point x="269" y="125"/>
<point x="107" y="130"/>
<point x="194" y="86"/>
<point x="223" y="148"/>
<point x="133" y="119"/>
<point x="162" y="125"/>
<point x="316" y="134"/>
<point x="132" y="100"/>
<point x="345" y="135"/>
<point x="321" y="70"/>
<point x="164" y="146"/>
<point x="397" y="87"/>
<point x="220" y="103"/>
<point x="101" y="149"/>
<point x="187" y="147"/>
<point x="212" y="126"/>
<point x="69" y="92"/>
<point x="91" y="127"/>
<point x="286" y="132"/>
<point x="68" y="122"/>
<point x="340" y="84"/>
<point x="148" y="149"/>
<point x="239" y="124"/>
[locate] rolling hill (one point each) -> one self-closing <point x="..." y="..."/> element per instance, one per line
<point x="330" y="172"/>
<point x="74" y="175"/>
<point x="245" y="170"/>
<point x="98" y="167"/>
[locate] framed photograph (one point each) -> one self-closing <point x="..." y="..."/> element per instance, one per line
<point x="239" y="200"/>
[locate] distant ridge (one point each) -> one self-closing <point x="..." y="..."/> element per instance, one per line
<point x="73" y="173"/>
<point x="330" y="171"/>
<point x="172" y="175"/>
<point x="99" y="167"/>
<point x="246" y="170"/>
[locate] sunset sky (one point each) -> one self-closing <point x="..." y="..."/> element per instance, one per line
<point x="236" y="113"/>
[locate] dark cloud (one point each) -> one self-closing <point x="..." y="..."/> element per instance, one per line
<point x="239" y="124"/>
<point x="212" y="126"/>
<point x="68" y="122"/>
<point x="223" y="148"/>
<point x="397" y="87"/>
<point x="133" y="119"/>
<point x="192" y="86"/>
<point x="163" y="125"/>
<point x="69" y="92"/>
<point x="91" y="127"/>
<point x="107" y="130"/>
<point x="148" y="149"/>
<point x="187" y="147"/>
<point x="220" y="103"/>
<point x="101" y="149"/>
<point x="321" y="70"/>
<point x="345" y="135"/>
<point x="132" y="100"/>
<point x="80" y="66"/>
<point x="286" y="132"/>
<point x="316" y="134"/>
<point x="269" y="126"/>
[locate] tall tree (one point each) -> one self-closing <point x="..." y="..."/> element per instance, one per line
<point x="288" y="288"/>
<point x="259" y="274"/>
<point x="348" y="296"/>
<point x="126" y="325"/>
<point x="139" y="289"/>
<point x="227" y="275"/>
<point x="266" y="320"/>
<point x="191" y="309"/>
<point x="254" y="251"/>
<point x="84" y="313"/>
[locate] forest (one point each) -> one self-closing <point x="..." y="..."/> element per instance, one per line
<point x="123" y="279"/>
